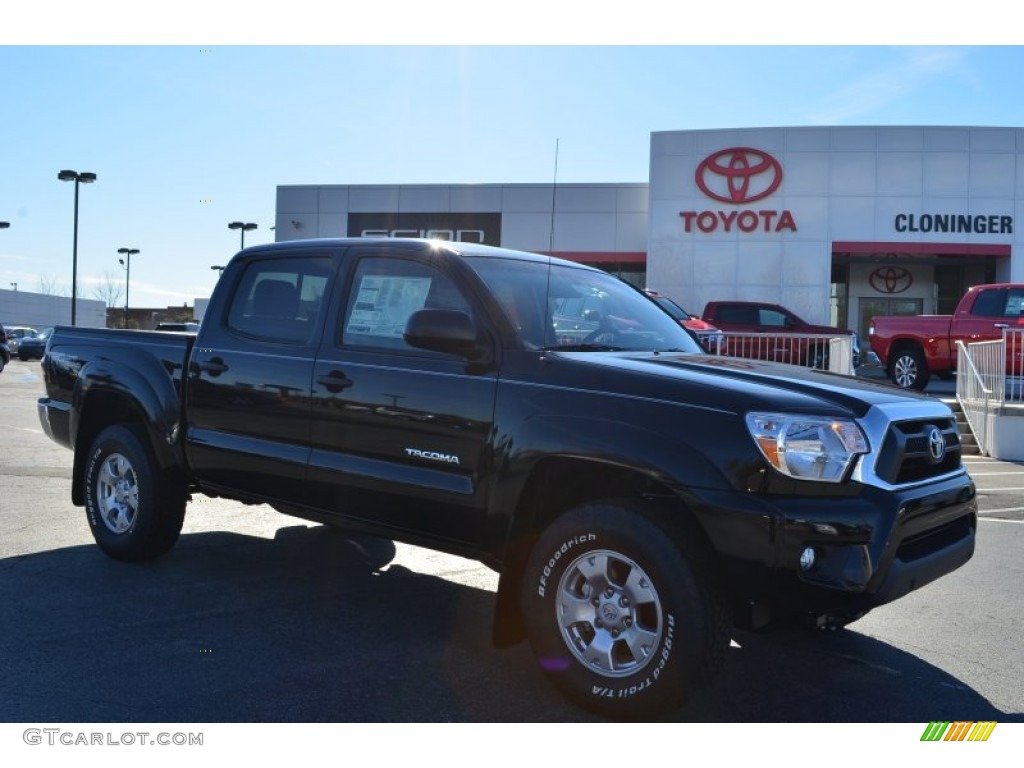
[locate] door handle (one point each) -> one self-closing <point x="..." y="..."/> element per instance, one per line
<point x="335" y="381"/>
<point x="1000" y="325"/>
<point x="214" y="366"/>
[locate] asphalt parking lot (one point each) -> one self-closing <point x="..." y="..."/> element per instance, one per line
<point x="257" y="617"/>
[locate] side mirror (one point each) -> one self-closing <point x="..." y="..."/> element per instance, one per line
<point x="442" y="330"/>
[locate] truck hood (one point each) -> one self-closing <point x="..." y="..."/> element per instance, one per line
<point x="739" y="385"/>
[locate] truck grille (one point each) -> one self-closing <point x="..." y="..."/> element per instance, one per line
<point x="908" y="454"/>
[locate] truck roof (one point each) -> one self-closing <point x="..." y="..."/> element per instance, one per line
<point x="456" y="247"/>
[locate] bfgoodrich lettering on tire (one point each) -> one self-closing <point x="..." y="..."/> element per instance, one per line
<point x="135" y="511"/>
<point x="622" y="617"/>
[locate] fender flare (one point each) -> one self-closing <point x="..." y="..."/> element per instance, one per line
<point x="140" y="381"/>
<point x="668" y="460"/>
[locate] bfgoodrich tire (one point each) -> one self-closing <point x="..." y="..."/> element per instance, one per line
<point x="623" y="618"/>
<point x="135" y="511"/>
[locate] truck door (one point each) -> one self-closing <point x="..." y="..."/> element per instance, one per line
<point x="993" y="310"/>
<point x="249" y="380"/>
<point x="400" y="436"/>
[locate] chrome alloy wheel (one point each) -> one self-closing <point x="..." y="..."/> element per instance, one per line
<point x="609" y="613"/>
<point x="117" y="493"/>
<point x="904" y="371"/>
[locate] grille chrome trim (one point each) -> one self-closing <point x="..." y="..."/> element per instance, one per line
<point x="896" y="428"/>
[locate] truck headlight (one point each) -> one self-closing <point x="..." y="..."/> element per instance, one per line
<point x="807" y="447"/>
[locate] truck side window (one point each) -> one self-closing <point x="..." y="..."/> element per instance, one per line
<point x="1014" y="300"/>
<point x="771" y="318"/>
<point x="739" y="315"/>
<point x="989" y="303"/>
<point x="383" y="295"/>
<point x="280" y="299"/>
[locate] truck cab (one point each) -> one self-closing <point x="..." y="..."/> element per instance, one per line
<point x="912" y="349"/>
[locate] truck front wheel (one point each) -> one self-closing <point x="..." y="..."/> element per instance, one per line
<point x="135" y="511"/>
<point x="623" y="618"/>
<point x="909" y="370"/>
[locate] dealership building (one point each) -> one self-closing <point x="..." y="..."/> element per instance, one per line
<point x="839" y="224"/>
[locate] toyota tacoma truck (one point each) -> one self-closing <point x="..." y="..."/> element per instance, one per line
<point x="912" y="348"/>
<point x="638" y="497"/>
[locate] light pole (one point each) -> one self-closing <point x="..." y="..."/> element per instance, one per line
<point x="84" y="178"/>
<point x="219" y="268"/>
<point x="5" y="225"/>
<point x="128" y="276"/>
<point x="244" y="227"/>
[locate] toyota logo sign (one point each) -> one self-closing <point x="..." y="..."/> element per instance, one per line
<point x="891" y="279"/>
<point x="739" y="175"/>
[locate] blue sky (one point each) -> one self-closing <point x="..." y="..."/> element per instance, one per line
<point x="187" y="137"/>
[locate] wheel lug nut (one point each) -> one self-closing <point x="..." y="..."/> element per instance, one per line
<point x="615" y="633"/>
<point x="598" y="623"/>
<point x="628" y="621"/>
<point x="623" y="602"/>
<point x="609" y="592"/>
<point x="595" y="601"/>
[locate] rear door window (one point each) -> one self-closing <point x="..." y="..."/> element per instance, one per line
<point x="280" y="299"/>
<point x="989" y="303"/>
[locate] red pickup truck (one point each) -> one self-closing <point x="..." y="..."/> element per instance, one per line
<point x="913" y="348"/>
<point x="764" y="331"/>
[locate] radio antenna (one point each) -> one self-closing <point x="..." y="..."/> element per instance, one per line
<point x="554" y="186"/>
<point x="549" y="337"/>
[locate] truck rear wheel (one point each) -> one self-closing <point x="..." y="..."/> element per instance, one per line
<point x="135" y="511"/>
<point x="624" y="619"/>
<point x="909" y="370"/>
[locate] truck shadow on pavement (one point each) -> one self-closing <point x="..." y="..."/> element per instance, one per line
<point x="312" y="627"/>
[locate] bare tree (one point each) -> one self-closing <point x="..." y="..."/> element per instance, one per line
<point x="109" y="290"/>
<point x="48" y="286"/>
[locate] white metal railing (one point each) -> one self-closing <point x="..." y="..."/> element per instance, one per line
<point x="1000" y="365"/>
<point x="973" y="391"/>
<point x="1014" y="391"/>
<point x="814" y="350"/>
<point x="990" y="380"/>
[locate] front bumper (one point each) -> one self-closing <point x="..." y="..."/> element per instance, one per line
<point x="870" y="548"/>
<point x="912" y="538"/>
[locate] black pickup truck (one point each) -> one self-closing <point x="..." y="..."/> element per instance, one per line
<point x="638" y="497"/>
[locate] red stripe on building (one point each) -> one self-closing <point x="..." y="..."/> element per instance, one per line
<point x="924" y="249"/>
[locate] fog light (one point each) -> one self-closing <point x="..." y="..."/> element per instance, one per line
<point x="807" y="558"/>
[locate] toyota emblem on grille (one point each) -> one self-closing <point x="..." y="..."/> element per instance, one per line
<point x="936" y="445"/>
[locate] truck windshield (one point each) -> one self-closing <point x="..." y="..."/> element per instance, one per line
<point x="578" y="309"/>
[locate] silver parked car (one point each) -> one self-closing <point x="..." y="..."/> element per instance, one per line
<point x="15" y="333"/>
